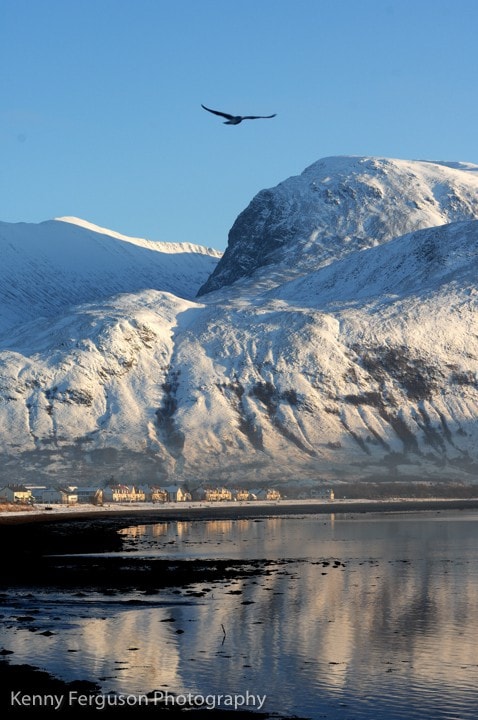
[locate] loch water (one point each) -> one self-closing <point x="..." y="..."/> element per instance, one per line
<point x="363" y="616"/>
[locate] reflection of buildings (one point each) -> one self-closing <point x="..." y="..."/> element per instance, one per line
<point x="399" y="618"/>
<point x="341" y="628"/>
<point x="158" y="530"/>
<point x="136" y="531"/>
<point x="215" y="528"/>
<point x="131" y="651"/>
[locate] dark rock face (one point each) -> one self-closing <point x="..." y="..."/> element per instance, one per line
<point x="340" y="205"/>
<point x="259" y="231"/>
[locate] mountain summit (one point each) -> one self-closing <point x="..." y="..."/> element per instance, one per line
<point x="339" y="205"/>
<point x="337" y="339"/>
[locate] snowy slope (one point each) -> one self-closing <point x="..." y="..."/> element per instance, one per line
<point x="55" y="264"/>
<point x="416" y="264"/>
<point x="313" y="383"/>
<point x="339" y="205"/>
<point x="359" y="362"/>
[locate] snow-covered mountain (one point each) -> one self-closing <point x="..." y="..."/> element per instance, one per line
<point x="345" y="346"/>
<point x="339" y="205"/>
<point x="48" y="266"/>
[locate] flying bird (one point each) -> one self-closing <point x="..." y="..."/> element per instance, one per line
<point x="236" y="119"/>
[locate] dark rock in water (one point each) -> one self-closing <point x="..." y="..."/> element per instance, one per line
<point x="32" y="680"/>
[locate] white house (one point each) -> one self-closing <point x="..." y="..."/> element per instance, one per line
<point x="267" y="494"/>
<point x="243" y="494"/>
<point x="154" y="494"/>
<point x="176" y="493"/>
<point x="55" y="495"/>
<point x="123" y="493"/>
<point x="91" y="495"/>
<point x="16" y="494"/>
<point x="216" y="494"/>
<point x="36" y="491"/>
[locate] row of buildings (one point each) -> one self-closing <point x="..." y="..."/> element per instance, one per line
<point x="119" y="493"/>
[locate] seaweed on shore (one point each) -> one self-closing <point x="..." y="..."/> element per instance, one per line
<point x="100" y="573"/>
<point x="77" y="556"/>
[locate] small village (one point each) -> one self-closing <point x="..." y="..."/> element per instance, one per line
<point x="117" y="493"/>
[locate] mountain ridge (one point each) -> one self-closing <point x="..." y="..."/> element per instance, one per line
<point x="341" y="358"/>
<point x="58" y="263"/>
<point x="341" y="204"/>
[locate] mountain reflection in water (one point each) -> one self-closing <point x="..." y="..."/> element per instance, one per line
<point x="372" y="616"/>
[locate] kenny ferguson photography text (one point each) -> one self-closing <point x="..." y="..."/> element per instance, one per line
<point x="75" y="699"/>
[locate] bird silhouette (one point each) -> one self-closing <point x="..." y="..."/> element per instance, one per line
<point x="236" y="119"/>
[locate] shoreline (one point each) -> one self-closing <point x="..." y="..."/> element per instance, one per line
<point x="35" y="571"/>
<point x="231" y="510"/>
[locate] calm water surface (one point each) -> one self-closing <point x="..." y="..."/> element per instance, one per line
<point x="387" y="629"/>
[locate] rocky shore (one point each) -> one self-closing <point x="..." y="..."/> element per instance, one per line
<point x="55" y="556"/>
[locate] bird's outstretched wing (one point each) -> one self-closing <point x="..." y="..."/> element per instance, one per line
<point x="216" y="112"/>
<point x="258" y="117"/>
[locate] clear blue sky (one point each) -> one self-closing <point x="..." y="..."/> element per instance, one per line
<point x="100" y="100"/>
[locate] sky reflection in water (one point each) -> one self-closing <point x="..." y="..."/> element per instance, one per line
<point x="390" y="635"/>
